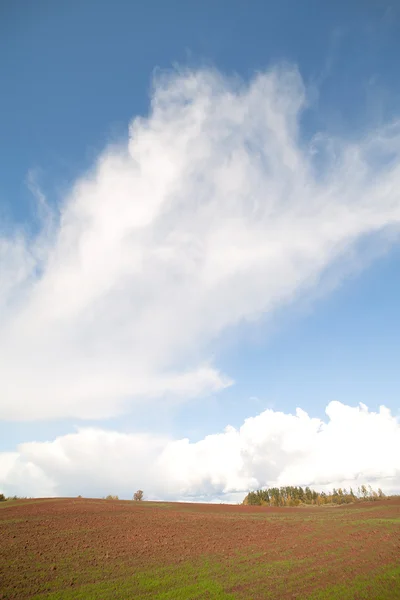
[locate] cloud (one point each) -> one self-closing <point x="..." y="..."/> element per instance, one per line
<point x="218" y="210"/>
<point x="353" y="446"/>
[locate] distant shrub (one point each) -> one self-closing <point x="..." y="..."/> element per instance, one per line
<point x="137" y="496"/>
<point x="2" y="498"/>
<point x="17" y="498"/>
<point x="110" y="497"/>
<point x="298" y="496"/>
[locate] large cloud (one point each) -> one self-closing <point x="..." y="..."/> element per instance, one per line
<point x="218" y="210"/>
<point x="354" y="446"/>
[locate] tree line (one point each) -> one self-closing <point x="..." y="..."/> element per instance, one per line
<point x="297" y="496"/>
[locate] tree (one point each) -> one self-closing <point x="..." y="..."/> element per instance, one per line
<point x="293" y="496"/>
<point x="138" y="495"/>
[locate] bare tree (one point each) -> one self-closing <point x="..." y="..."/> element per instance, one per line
<point x="138" y="495"/>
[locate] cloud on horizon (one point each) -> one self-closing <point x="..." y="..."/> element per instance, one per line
<point x="353" y="446"/>
<point x="217" y="211"/>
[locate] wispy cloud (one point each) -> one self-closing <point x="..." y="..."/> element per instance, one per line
<point x="218" y="210"/>
<point x="353" y="446"/>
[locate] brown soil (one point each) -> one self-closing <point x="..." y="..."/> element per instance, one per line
<point x="80" y="539"/>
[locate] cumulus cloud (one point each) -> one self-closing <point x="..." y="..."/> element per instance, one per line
<point x="353" y="446"/>
<point x="217" y="210"/>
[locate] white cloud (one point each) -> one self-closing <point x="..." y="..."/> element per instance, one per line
<point x="354" y="446"/>
<point x="215" y="212"/>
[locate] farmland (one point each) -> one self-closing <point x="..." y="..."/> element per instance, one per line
<point x="70" y="549"/>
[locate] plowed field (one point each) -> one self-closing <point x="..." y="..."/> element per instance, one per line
<point x="68" y="549"/>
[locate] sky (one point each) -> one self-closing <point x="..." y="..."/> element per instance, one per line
<point x="199" y="247"/>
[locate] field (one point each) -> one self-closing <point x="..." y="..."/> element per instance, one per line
<point x="82" y="549"/>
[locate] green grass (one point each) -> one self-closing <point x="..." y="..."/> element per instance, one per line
<point x="163" y="585"/>
<point x="382" y="586"/>
<point x="377" y="522"/>
<point x="212" y="581"/>
<point x="208" y="579"/>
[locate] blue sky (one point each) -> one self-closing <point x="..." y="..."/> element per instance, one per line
<point x="75" y="75"/>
